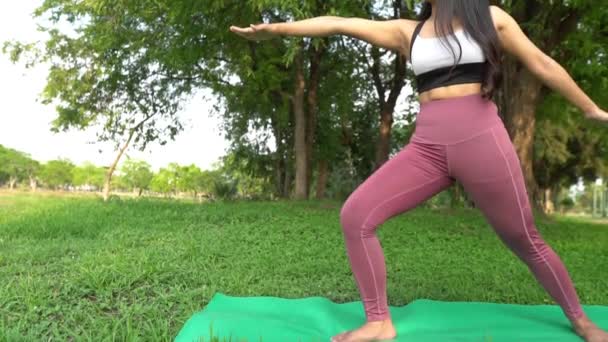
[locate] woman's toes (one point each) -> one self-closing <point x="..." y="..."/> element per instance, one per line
<point x="339" y="337"/>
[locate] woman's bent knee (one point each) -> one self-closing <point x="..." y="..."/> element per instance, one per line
<point x="352" y="218"/>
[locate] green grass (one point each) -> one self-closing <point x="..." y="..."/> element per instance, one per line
<point x="136" y="270"/>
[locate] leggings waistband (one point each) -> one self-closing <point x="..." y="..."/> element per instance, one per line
<point x="452" y="120"/>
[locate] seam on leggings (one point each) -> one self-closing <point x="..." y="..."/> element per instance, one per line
<point x="373" y="274"/>
<point x="414" y="138"/>
<point x="524" y="222"/>
<point x="365" y="224"/>
<point x="474" y="136"/>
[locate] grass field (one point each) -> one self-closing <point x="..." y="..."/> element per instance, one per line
<point x="135" y="270"/>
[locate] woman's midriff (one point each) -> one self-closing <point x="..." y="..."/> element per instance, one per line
<point x="456" y="90"/>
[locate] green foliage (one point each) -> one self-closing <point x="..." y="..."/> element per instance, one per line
<point x="16" y="166"/>
<point x="129" y="65"/>
<point x="106" y="72"/>
<point x="442" y="199"/>
<point x="225" y="188"/>
<point x="191" y="179"/>
<point x="342" y="182"/>
<point x="567" y="145"/>
<point x="166" y="180"/>
<point x="137" y="174"/>
<point x="248" y="171"/>
<point x="584" y="200"/>
<point x="119" y="183"/>
<point x="89" y="175"/>
<point x="57" y="173"/>
<point x="567" y="203"/>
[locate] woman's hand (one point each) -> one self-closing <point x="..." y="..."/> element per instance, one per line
<point x="254" y="32"/>
<point x="597" y="114"/>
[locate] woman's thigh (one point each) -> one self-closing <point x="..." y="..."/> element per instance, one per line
<point x="490" y="171"/>
<point x="416" y="173"/>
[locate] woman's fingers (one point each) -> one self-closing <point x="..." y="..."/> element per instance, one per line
<point x="598" y="114"/>
<point x="253" y="32"/>
<point x="240" y="30"/>
<point x="243" y="32"/>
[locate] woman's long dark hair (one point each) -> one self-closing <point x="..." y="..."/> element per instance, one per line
<point x="477" y="21"/>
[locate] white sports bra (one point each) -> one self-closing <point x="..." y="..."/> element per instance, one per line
<point x="432" y="60"/>
<point x="431" y="53"/>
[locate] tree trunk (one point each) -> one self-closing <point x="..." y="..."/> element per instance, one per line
<point x="300" y="128"/>
<point x="316" y="55"/>
<point x="108" y="180"/>
<point x="555" y="192"/>
<point x="279" y="162"/>
<point x="281" y="133"/>
<point x="281" y="183"/>
<point x="11" y="183"/>
<point x="322" y="178"/>
<point x="549" y="205"/>
<point x="521" y="91"/>
<point x="281" y="174"/>
<point x="288" y="180"/>
<point x="288" y="159"/>
<point x="33" y="184"/>
<point x="396" y="83"/>
<point x="386" y="104"/>
<point x="520" y="121"/>
<point x="110" y="172"/>
<point x="384" y="139"/>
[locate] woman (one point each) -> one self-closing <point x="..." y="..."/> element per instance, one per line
<point x="455" y="50"/>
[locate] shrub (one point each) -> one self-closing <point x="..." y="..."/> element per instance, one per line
<point x="225" y="189"/>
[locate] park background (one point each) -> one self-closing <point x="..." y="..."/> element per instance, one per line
<point x="142" y="123"/>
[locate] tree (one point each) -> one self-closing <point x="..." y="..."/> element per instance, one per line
<point x="572" y="33"/>
<point x="326" y="104"/>
<point x="57" y="174"/>
<point x="88" y="175"/>
<point x="242" y="172"/>
<point x="166" y="180"/>
<point x="106" y="72"/>
<point x="388" y="91"/>
<point x="192" y="179"/>
<point x="16" y="166"/>
<point x="567" y="147"/>
<point x="274" y="87"/>
<point x="137" y="174"/>
<point x="32" y="170"/>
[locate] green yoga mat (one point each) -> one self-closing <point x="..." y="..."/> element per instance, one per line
<point x="274" y="319"/>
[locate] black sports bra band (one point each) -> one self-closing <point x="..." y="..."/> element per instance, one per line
<point x="416" y="32"/>
<point x="461" y="73"/>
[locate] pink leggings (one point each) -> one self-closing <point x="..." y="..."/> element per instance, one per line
<point x="462" y="139"/>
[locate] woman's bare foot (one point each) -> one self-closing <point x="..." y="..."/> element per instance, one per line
<point x="589" y="331"/>
<point x="370" y="331"/>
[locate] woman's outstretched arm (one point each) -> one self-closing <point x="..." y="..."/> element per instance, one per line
<point x="515" y="41"/>
<point x="388" y="34"/>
